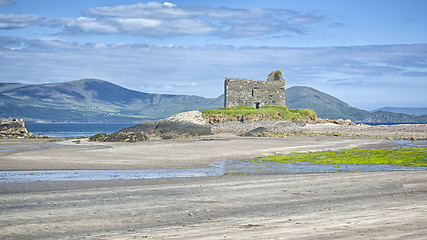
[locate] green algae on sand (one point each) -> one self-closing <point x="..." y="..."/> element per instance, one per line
<point x="415" y="156"/>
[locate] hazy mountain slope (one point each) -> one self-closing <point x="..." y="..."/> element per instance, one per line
<point x="8" y="86"/>
<point x="405" y="110"/>
<point x="94" y="100"/>
<point x="387" y="117"/>
<point x="327" y="106"/>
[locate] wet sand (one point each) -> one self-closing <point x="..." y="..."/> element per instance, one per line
<point x="162" y="154"/>
<point x="373" y="205"/>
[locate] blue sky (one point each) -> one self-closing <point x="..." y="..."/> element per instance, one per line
<point x="370" y="54"/>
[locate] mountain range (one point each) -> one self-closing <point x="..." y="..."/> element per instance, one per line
<point x="92" y="100"/>
<point x="406" y="110"/>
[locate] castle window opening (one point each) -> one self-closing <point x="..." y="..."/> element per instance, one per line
<point x="255" y="92"/>
<point x="257" y="105"/>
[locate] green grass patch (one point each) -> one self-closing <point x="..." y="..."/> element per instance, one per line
<point x="416" y="157"/>
<point x="278" y="113"/>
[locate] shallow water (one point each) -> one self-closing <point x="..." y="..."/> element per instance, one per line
<point x="216" y="169"/>
<point x="253" y="167"/>
<point x="74" y="130"/>
<point x="93" y="175"/>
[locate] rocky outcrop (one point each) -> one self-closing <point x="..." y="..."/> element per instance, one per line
<point x="189" y="117"/>
<point x="335" y="121"/>
<point x="275" y="128"/>
<point x="222" y="118"/>
<point x="119" y="137"/>
<point x="14" y="129"/>
<point x="192" y="124"/>
<point x="183" y="125"/>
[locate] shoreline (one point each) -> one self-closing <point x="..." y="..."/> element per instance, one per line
<point x="342" y="205"/>
<point x="164" y="154"/>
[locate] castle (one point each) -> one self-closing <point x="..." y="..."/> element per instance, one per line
<point x="255" y="94"/>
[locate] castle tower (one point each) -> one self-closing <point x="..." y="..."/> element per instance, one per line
<point x="255" y="94"/>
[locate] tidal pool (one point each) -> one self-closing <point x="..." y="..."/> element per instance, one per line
<point x="95" y="175"/>
<point x="253" y="167"/>
<point x="217" y="169"/>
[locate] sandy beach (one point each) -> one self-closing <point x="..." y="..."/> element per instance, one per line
<point x="364" y="205"/>
<point x="375" y="205"/>
<point x="161" y="154"/>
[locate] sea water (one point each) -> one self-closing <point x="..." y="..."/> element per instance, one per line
<point x="238" y="167"/>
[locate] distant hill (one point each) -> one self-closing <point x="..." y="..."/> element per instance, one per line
<point x="327" y="106"/>
<point x="406" y="110"/>
<point x="91" y="100"/>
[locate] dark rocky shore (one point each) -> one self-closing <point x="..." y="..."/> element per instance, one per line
<point x="183" y="125"/>
<point x="192" y="124"/>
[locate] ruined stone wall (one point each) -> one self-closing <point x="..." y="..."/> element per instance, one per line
<point x="254" y="94"/>
<point x="14" y="129"/>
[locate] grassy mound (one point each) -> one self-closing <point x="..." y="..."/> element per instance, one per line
<point x="268" y="112"/>
<point x="415" y="156"/>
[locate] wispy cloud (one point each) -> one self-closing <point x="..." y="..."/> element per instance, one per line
<point x="415" y="74"/>
<point x="156" y="20"/>
<point x="15" y="21"/>
<point x="305" y="19"/>
<point x="11" y="21"/>
<point x="7" y="2"/>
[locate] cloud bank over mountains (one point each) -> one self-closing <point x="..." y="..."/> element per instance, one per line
<point x="200" y="70"/>
<point x="154" y="19"/>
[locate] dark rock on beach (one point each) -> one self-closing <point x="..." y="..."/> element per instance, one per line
<point x="170" y="128"/>
<point x="257" y="132"/>
<point x="119" y="137"/>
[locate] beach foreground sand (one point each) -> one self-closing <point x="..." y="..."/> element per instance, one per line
<point x="373" y="205"/>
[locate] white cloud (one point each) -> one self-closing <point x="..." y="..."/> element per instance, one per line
<point x="168" y="4"/>
<point x="90" y="25"/>
<point x="151" y="10"/>
<point x="15" y="21"/>
<point x="11" y="21"/>
<point x="155" y="20"/>
<point x="305" y="19"/>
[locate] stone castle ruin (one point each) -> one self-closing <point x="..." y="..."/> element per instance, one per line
<point x="255" y="94"/>
<point x="14" y="129"/>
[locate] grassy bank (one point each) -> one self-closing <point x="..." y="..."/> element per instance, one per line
<point x="415" y="156"/>
<point x="276" y="113"/>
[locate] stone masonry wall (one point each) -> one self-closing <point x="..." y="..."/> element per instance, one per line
<point x="14" y="129"/>
<point x="255" y="94"/>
